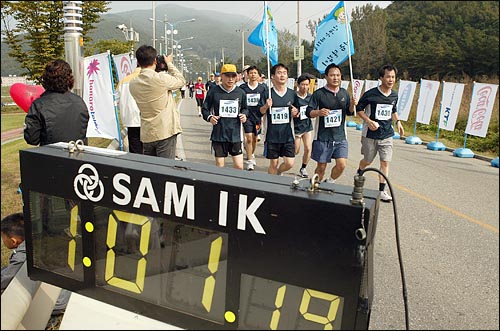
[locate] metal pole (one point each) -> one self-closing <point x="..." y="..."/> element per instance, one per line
<point x="172" y="37"/>
<point x="73" y="42"/>
<point x="165" y="33"/>
<point x="299" y="61"/>
<point x="154" y="24"/>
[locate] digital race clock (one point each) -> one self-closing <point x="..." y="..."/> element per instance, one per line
<point x="197" y="246"/>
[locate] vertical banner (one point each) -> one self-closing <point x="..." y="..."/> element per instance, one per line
<point x="344" y="84"/>
<point x="481" y="106"/>
<point x="98" y="95"/>
<point x="450" y="105"/>
<point x="426" y="98"/>
<point x="369" y="84"/>
<point x="321" y="82"/>
<point x="123" y="65"/>
<point x="406" y="93"/>
<point x="291" y="84"/>
<point x="358" y="86"/>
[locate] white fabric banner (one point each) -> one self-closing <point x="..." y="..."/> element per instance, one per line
<point x="450" y="105"/>
<point x="406" y="92"/>
<point x="123" y="65"/>
<point x="98" y="95"/>
<point x="344" y="84"/>
<point x="290" y="83"/>
<point x="426" y="98"/>
<point x="481" y="106"/>
<point x="321" y="82"/>
<point x="358" y="87"/>
<point x="369" y="84"/>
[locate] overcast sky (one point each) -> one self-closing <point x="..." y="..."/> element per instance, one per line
<point x="284" y="12"/>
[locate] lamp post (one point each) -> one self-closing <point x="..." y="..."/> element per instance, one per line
<point x="242" y="47"/>
<point x="172" y="30"/>
<point x="130" y="35"/>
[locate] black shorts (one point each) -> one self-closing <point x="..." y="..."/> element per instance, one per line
<point x="275" y="150"/>
<point x="222" y="149"/>
<point x="199" y="101"/>
<point x="251" y="126"/>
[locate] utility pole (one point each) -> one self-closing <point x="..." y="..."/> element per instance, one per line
<point x="154" y="23"/>
<point x="222" y="56"/>
<point x="299" y="61"/>
<point x="242" y="46"/>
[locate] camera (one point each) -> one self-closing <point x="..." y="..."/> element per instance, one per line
<point x="161" y="65"/>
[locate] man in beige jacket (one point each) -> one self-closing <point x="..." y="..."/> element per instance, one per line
<point x="152" y="91"/>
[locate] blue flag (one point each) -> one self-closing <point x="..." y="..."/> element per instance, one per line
<point x="258" y="36"/>
<point x="330" y="45"/>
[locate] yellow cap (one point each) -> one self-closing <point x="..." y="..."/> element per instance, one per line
<point x="228" y="69"/>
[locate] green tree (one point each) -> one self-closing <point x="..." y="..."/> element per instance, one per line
<point x="35" y="29"/>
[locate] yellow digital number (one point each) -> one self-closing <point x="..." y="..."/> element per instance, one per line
<point x="280" y="298"/>
<point x="332" y="310"/>
<point x="213" y="266"/>
<point x="145" y="224"/>
<point x="72" y="243"/>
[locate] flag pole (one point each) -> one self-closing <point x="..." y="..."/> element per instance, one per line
<point x="120" y="141"/>
<point x="267" y="47"/>
<point x="349" y="50"/>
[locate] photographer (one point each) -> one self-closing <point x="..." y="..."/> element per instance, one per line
<point x="152" y="91"/>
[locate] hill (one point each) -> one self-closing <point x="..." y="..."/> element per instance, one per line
<point x="212" y="32"/>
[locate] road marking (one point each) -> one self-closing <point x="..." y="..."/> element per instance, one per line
<point x="457" y="213"/>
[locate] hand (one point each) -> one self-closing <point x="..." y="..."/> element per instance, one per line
<point x="295" y="112"/>
<point x="401" y="129"/>
<point x="323" y="112"/>
<point x="214" y="119"/>
<point x="169" y="58"/>
<point x="372" y="125"/>
<point x="243" y="118"/>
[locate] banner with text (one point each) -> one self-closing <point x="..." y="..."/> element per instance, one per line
<point x="450" y="105"/>
<point x="98" y="95"/>
<point x="481" y="106"/>
<point x="426" y="99"/>
<point x="123" y="65"/>
<point x="406" y="93"/>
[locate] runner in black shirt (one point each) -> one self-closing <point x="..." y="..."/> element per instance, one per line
<point x="225" y="106"/>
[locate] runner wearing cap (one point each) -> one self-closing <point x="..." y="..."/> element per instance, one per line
<point x="225" y="107"/>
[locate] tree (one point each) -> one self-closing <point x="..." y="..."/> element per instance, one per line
<point x="34" y="30"/>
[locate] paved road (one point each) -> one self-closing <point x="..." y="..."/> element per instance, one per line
<point x="448" y="215"/>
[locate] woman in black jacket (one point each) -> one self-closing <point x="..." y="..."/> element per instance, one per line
<point x="59" y="115"/>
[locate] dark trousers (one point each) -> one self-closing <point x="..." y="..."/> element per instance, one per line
<point x="134" y="140"/>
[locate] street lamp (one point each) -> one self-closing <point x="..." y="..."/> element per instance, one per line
<point x="172" y="30"/>
<point x="242" y="47"/>
<point x="130" y="35"/>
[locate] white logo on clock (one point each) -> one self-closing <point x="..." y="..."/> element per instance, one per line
<point x="88" y="183"/>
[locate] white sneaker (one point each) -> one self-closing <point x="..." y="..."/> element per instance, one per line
<point x="329" y="180"/>
<point x="303" y="173"/>
<point x="253" y="161"/>
<point x="199" y="114"/>
<point x="258" y="137"/>
<point x="250" y="165"/>
<point x="384" y="196"/>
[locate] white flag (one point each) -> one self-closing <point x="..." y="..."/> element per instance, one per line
<point x="98" y="95"/>
<point x="406" y="92"/>
<point x="369" y="84"/>
<point x="426" y="98"/>
<point x="123" y="65"/>
<point x="290" y="83"/>
<point x="450" y="105"/>
<point x="483" y="98"/>
<point x="344" y="84"/>
<point x="358" y="86"/>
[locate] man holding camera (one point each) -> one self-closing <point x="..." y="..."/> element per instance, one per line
<point x="152" y="91"/>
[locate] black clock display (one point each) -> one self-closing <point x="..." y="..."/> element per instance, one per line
<point x="195" y="246"/>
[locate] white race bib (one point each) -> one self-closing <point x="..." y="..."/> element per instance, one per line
<point x="303" y="113"/>
<point x="228" y="108"/>
<point x="334" y="118"/>
<point x="383" y="112"/>
<point x="199" y="91"/>
<point x="280" y="115"/>
<point x="253" y="99"/>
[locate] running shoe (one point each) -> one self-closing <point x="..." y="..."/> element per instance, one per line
<point x="329" y="180"/>
<point x="384" y="196"/>
<point x="303" y="173"/>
